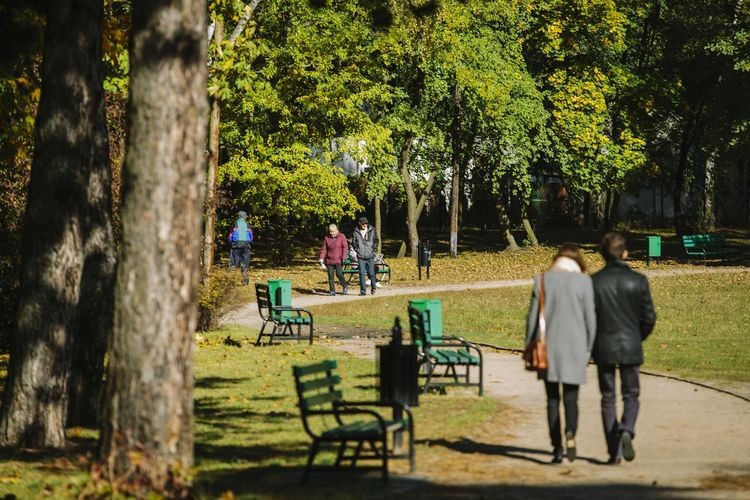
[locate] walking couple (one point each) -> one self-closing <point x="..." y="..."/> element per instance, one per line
<point x="606" y="315"/>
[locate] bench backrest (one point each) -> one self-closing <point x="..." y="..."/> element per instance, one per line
<point x="419" y="326"/>
<point x="702" y="240"/>
<point x="317" y="388"/>
<point x="264" y="301"/>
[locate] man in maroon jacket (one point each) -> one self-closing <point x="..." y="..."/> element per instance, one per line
<point x="335" y="250"/>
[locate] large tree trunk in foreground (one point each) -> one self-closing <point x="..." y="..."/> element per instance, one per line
<point x="67" y="253"/>
<point x="147" y="435"/>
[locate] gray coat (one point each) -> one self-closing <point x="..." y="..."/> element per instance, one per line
<point x="571" y="324"/>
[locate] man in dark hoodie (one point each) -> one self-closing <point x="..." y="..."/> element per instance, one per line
<point x="624" y="318"/>
<point x="365" y="244"/>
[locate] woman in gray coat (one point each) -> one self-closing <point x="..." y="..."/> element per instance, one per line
<point x="570" y="329"/>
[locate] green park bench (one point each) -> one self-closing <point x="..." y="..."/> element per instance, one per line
<point x="328" y="418"/>
<point x="706" y="245"/>
<point x="351" y="270"/>
<point x="438" y="352"/>
<point x="283" y="318"/>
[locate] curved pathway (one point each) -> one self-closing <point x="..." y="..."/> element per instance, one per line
<point x="248" y="315"/>
<point x="691" y="442"/>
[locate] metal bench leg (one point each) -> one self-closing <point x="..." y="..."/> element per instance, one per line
<point x="260" y="335"/>
<point x="385" y="458"/>
<point x="310" y="459"/>
<point x="355" y="457"/>
<point x="340" y="454"/>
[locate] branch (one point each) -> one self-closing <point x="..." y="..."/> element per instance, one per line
<point x="249" y="9"/>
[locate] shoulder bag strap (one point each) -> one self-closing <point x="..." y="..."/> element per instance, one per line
<point x="542" y="323"/>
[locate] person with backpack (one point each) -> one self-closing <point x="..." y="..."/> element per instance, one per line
<point x="240" y="240"/>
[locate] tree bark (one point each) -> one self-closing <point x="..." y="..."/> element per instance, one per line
<point x="67" y="233"/>
<point x="456" y="164"/>
<point x="411" y="199"/>
<point x="149" y="402"/>
<point x="502" y="214"/>
<point x="679" y="177"/>
<point x="530" y="232"/>
<point x="708" y="219"/>
<point x="378" y="222"/>
<point x="209" y="231"/>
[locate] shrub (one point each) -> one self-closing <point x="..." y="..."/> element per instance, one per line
<point x="218" y="296"/>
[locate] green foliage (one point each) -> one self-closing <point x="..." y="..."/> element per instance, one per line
<point x="21" y="38"/>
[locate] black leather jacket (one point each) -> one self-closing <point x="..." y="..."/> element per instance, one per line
<point x="624" y="315"/>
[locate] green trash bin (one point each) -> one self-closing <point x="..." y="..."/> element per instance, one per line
<point x="435" y="327"/>
<point x="654" y="248"/>
<point x="280" y="293"/>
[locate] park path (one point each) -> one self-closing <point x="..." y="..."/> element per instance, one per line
<point x="691" y="442"/>
<point x="248" y="314"/>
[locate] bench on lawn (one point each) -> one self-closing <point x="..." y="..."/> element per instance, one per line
<point x="328" y="418"/>
<point x="438" y="352"/>
<point x="706" y="245"/>
<point x="283" y="318"/>
<point x="351" y="270"/>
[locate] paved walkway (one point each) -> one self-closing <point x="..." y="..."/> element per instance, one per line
<point x="691" y="442"/>
<point x="248" y="315"/>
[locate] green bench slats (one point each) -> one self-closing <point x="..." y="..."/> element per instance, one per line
<point x="705" y="245"/>
<point x="439" y="351"/>
<point x="320" y="399"/>
<point x="320" y="382"/>
<point x="285" y="320"/>
<point x="323" y="366"/>
<point x="354" y="424"/>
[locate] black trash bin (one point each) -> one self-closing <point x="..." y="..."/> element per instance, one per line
<point x="397" y="370"/>
<point x="424" y="258"/>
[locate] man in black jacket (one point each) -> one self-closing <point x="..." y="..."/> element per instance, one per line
<point x="624" y="318"/>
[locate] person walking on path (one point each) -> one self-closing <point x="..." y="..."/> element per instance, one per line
<point x="365" y="244"/>
<point x="570" y="320"/>
<point x="335" y="250"/>
<point x="625" y="317"/>
<point x="240" y="240"/>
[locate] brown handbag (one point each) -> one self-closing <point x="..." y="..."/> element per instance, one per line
<point x="535" y="355"/>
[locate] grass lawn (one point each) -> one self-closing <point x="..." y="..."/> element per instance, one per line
<point x="701" y="329"/>
<point x="249" y="436"/>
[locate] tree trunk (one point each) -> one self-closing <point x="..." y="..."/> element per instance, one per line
<point x="504" y="221"/>
<point x="418" y="212"/>
<point x="147" y="435"/>
<point x="65" y="238"/>
<point x="411" y="199"/>
<point x="708" y="219"/>
<point x="530" y="232"/>
<point x="210" y="205"/>
<point x="378" y="222"/>
<point x="679" y="178"/>
<point x="456" y="164"/>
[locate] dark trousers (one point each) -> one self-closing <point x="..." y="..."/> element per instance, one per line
<point x="631" y="388"/>
<point x="570" y="402"/>
<point x="366" y="266"/>
<point x="331" y="268"/>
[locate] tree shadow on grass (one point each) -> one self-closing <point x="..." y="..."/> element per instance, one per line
<point x="218" y="382"/>
<point x="285" y="482"/>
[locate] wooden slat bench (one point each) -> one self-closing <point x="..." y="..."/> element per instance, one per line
<point x="706" y="245"/>
<point x="321" y="404"/>
<point x="444" y="352"/>
<point x="283" y="318"/>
